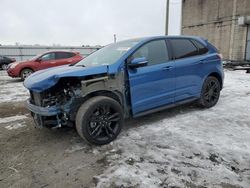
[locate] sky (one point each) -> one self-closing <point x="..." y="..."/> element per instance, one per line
<point x="84" y="22"/>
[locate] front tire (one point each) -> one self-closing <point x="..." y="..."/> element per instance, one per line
<point x="25" y="73"/>
<point x="210" y="92"/>
<point x="99" y="120"/>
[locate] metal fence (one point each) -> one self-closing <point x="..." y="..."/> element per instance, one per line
<point x="27" y="52"/>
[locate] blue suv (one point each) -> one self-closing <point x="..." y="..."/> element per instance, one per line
<point x="127" y="79"/>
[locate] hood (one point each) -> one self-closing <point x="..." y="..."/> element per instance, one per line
<point x="21" y="62"/>
<point x="25" y="61"/>
<point x="18" y="62"/>
<point x="44" y="79"/>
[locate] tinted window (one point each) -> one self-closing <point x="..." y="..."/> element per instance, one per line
<point x="202" y="49"/>
<point x="155" y="52"/>
<point x="49" y="56"/>
<point x="63" y="55"/>
<point x="183" y="48"/>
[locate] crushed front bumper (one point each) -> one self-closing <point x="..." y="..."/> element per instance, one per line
<point x="45" y="116"/>
<point x="43" y="111"/>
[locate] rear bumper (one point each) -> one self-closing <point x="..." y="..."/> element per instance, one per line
<point x="43" y="111"/>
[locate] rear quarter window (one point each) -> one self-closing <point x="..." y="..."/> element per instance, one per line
<point x="71" y="54"/>
<point x="201" y="48"/>
<point x="183" y="48"/>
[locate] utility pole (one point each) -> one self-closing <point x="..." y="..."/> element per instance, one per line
<point x="114" y="38"/>
<point x="167" y="17"/>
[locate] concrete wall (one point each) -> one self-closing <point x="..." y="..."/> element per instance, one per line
<point x="27" y="52"/>
<point x="217" y="21"/>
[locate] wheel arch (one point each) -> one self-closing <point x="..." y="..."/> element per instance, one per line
<point x="218" y="76"/>
<point x="23" y="69"/>
<point x="116" y="95"/>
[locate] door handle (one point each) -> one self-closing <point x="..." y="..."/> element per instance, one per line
<point x="167" y="68"/>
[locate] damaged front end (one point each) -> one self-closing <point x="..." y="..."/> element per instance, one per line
<point x="57" y="93"/>
<point x="57" y="106"/>
<point x="54" y="107"/>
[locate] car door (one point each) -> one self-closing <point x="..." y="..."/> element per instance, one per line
<point x="64" y="58"/>
<point x="153" y="85"/>
<point x="47" y="60"/>
<point x="187" y="68"/>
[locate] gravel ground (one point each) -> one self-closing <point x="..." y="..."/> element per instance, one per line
<point x="181" y="147"/>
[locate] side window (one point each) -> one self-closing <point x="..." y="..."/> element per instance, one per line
<point x="49" y="56"/>
<point x="183" y="48"/>
<point x="202" y="49"/>
<point x="155" y="52"/>
<point x="63" y="55"/>
<point x="1" y="57"/>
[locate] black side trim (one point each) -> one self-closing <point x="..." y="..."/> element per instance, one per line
<point x="165" y="107"/>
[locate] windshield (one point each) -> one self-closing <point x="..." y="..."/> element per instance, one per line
<point x="108" y="54"/>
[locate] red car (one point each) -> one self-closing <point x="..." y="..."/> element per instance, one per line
<point x="44" y="61"/>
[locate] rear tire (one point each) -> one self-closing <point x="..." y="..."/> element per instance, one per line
<point x="99" y="120"/>
<point x="210" y="92"/>
<point x="25" y="73"/>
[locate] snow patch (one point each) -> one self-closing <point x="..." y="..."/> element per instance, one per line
<point x="15" y="126"/>
<point x="75" y="148"/>
<point x="12" y="119"/>
<point x="12" y="89"/>
<point x="194" y="148"/>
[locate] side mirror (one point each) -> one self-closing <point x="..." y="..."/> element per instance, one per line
<point x="138" y="62"/>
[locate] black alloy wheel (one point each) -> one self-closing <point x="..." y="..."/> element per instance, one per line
<point x="99" y="120"/>
<point x="210" y="92"/>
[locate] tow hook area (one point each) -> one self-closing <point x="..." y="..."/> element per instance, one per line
<point x="61" y="121"/>
<point x="38" y="121"/>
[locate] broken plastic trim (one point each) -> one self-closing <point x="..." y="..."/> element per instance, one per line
<point x="43" y="111"/>
<point x="95" y="80"/>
